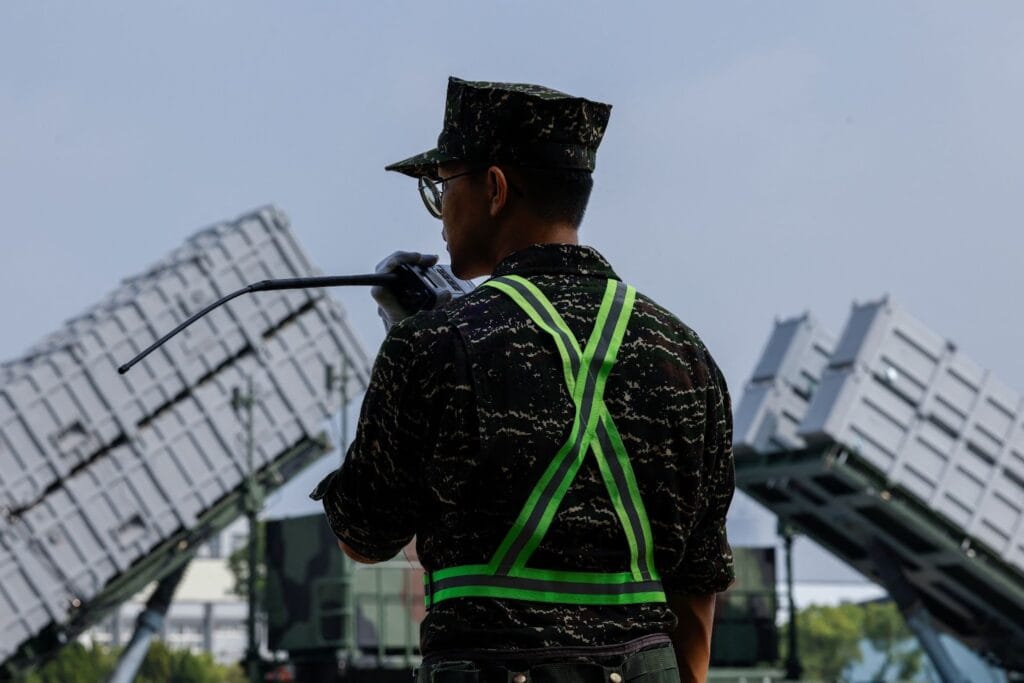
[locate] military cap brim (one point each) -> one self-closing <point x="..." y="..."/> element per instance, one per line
<point x="516" y="123"/>
<point x="424" y="164"/>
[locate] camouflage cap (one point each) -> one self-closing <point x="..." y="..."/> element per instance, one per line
<point x="514" y="123"/>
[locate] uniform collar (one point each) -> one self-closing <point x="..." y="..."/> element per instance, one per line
<point x="558" y="259"/>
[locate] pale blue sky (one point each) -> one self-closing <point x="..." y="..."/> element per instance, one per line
<point x="762" y="158"/>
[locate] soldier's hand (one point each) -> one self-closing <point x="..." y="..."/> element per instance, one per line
<point x="387" y="306"/>
<point x="321" y="489"/>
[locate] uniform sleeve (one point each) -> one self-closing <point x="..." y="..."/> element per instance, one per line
<point x="373" y="501"/>
<point x="708" y="564"/>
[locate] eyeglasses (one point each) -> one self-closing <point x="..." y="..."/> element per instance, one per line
<point x="432" y="195"/>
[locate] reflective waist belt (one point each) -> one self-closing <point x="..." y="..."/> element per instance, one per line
<point x="506" y="576"/>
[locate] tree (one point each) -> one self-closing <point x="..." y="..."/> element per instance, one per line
<point x="829" y="640"/>
<point x="888" y="634"/>
<point x="76" y="663"/>
<point x="163" y="664"/>
<point x="833" y="640"/>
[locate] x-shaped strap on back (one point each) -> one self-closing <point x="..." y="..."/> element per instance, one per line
<point x="593" y="430"/>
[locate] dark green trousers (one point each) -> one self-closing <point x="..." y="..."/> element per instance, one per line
<point x="656" y="665"/>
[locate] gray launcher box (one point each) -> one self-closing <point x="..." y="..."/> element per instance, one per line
<point x="98" y="469"/>
<point x="108" y="515"/>
<point x="786" y="376"/>
<point x="64" y="401"/>
<point x="930" y="420"/>
<point x="118" y="507"/>
<point x="27" y="600"/>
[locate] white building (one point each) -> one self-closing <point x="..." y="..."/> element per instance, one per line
<point x="206" y="616"/>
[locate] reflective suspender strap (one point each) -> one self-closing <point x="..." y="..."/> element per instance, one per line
<point x="617" y="473"/>
<point x="586" y="372"/>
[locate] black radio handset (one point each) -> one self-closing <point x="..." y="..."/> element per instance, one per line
<point x="416" y="288"/>
<point x="419" y="288"/>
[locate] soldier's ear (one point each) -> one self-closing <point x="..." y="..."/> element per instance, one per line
<point x="497" y="190"/>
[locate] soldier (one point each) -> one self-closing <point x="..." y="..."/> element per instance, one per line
<point x="558" y="444"/>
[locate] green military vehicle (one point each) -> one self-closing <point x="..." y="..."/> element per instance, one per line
<point x="328" y="616"/>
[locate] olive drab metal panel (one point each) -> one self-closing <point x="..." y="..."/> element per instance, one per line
<point x="744" y="626"/>
<point x="316" y="598"/>
<point x="97" y="469"/>
<point x="302" y="614"/>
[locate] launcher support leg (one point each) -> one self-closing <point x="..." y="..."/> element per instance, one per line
<point x="244" y="401"/>
<point x="794" y="669"/>
<point x="148" y="624"/>
<point x="914" y="613"/>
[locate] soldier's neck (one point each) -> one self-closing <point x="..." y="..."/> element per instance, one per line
<point x="527" y="234"/>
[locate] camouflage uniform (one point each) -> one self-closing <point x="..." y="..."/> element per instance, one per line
<point x="467" y="406"/>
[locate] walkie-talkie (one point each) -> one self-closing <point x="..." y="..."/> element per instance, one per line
<point x="416" y="288"/>
<point x="419" y="288"/>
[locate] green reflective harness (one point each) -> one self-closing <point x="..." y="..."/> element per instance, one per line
<point x="506" y="576"/>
